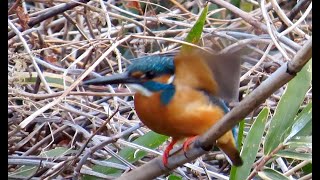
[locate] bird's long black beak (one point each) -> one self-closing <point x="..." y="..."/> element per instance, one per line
<point x="114" y="79"/>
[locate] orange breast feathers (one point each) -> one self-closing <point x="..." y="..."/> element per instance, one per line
<point x="189" y="113"/>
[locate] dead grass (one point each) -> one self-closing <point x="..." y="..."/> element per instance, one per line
<point x="51" y="55"/>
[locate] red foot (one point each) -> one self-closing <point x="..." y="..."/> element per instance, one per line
<point x="187" y="143"/>
<point x="167" y="151"/>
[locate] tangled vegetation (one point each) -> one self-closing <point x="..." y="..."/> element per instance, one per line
<point x="59" y="129"/>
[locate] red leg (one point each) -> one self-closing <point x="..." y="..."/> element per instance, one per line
<point x="167" y="151"/>
<point x="187" y="143"/>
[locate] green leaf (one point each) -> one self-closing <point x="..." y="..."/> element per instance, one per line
<point x="213" y="7"/>
<point x="302" y="121"/>
<point x="294" y="155"/>
<point x="150" y="140"/>
<point x="251" y="146"/>
<point x="305" y="115"/>
<point x="270" y="174"/>
<point x="174" y="177"/>
<point x="235" y="2"/>
<point x="306" y="131"/>
<point x="240" y="134"/>
<point x="25" y="171"/>
<point x="246" y="6"/>
<point x="30" y="170"/>
<point x="54" y="80"/>
<point x="300" y="141"/>
<point x="287" y="108"/>
<point x="196" y="31"/>
<point x="58" y="151"/>
<point x="307" y="168"/>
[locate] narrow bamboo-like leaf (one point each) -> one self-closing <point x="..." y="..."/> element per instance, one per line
<point x="300" y="141"/>
<point x="150" y="140"/>
<point x="307" y="108"/>
<point x="174" y="177"/>
<point x="250" y="147"/>
<point x="54" y="80"/>
<point x="302" y="121"/>
<point x="25" y="171"/>
<point x="270" y="174"/>
<point x="240" y="134"/>
<point x="30" y="170"/>
<point x="294" y="155"/>
<point x="196" y="31"/>
<point x="287" y="108"/>
<point x="305" y="131"/>
<point x="58" y="151"/>
<point x="305" y="115"/>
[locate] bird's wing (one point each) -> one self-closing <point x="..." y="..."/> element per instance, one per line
<point x="218" y="75"/>
<point x="226" y="72"/>
<point x="192" y="70"/>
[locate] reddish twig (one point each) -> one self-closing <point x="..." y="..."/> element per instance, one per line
<point x="263" y="161"/>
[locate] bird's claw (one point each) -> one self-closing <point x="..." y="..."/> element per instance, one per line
<point x="167" y="151"/>
<point x="186" y="145"/>
<point x="165" y="157"/>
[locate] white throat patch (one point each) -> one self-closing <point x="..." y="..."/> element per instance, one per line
<point x="170" y="80"/>
<point x="144" y="91"/>
<point x="140" y="89"/>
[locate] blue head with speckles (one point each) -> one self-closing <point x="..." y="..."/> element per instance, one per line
<point x="151" y="66"/>
<point x="146" y="69"/>
<point x="141" y="74"/>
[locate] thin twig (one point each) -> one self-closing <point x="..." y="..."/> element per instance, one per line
<point x="50" y="13"/>
<point x="271" y="30"/>
<point x="99" y="146"/>
<point x="31" y="55"/>
<point x="258" y="64"/>
<point x="305" y="14"/>
<point x="286" y="20"/>
<point x="55" y="94"/>
<point x="294" y="11"/>
<point x="263" y="161"/>
<point x="158" y="30"/>
<point x="254" y="22"/>
<point x="297" y="167"/>
<point x="26" y="121"/>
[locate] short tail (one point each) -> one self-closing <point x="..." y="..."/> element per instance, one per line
<point x="227" y="144"/>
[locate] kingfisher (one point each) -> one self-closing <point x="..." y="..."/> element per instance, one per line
<point x="182" y="96"/>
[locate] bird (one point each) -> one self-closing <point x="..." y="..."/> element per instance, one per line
<point x="182" y="96"/>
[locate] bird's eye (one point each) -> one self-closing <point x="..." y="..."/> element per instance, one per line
<point x="150" y="74"/>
